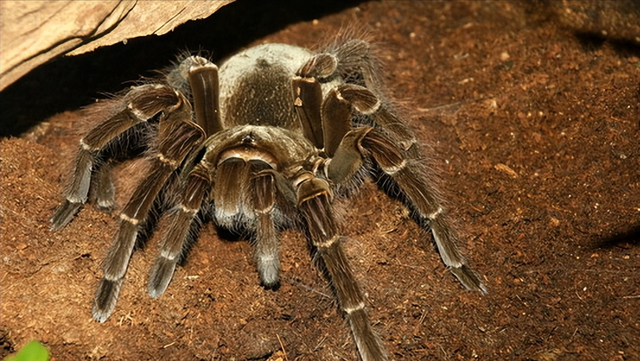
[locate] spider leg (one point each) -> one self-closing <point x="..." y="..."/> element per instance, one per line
<point x="401" y="163"/>
<point x="352" y="59"/>
<point x="356" y="55"/>
<point x="228" y="194"/>
<point x="275" y="205"/>
<point x="196" y="186"/>
<point x="205" y="88"/>
<point x="139" y="105"/>
<point x="102" y="191"/>
<point x="307" y="93"/>
<point x="358" y="65"/>
<point x="267" y="241"/>
<point x="235" y="176"/>
<point x="177" y="136"/>
<point x="246" y="188"/>
<point x="314" y="202"/>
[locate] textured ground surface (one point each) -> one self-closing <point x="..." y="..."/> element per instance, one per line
<point x="534" y="127"/>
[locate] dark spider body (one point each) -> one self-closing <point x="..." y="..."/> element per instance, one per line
<point x="267" y="142"/>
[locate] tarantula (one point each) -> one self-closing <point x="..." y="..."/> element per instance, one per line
<point x="268" y="141"/>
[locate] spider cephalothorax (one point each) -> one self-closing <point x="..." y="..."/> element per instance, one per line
<point x="267" y="141"/>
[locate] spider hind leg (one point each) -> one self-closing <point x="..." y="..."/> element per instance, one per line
<point x="392" y="148"/>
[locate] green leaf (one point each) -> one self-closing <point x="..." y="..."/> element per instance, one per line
<point x="33" y="351"/>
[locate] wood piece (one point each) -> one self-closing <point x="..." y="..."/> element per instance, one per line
<point x="34" y="32"/>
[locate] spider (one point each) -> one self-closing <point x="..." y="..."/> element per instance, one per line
<point x="267" y="141"/>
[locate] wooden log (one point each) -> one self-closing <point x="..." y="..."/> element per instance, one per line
<point x="34" y="32"/>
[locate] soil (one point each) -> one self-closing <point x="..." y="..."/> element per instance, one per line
<point x="533" y="126"/>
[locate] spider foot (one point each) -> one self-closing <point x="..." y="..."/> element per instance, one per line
<point x="160" y="276"/>
<point x="64" y="214"/>
<point x="106" y="297"/>
<point x="269" y="269"/>
<point x="469" y="278"/>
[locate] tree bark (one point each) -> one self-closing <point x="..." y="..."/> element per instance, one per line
<point x="34" y="32"/>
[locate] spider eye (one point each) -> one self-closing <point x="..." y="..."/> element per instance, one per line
<point x="248" y="138"/>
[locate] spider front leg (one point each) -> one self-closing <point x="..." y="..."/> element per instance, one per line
<point x="314" y="202"/>
<point x="102" y="192"/>
<point x="120" y="115"/>
<point x="181" y="221"/>
<point x="177" y="136"/>
<point x="402" y="166"/>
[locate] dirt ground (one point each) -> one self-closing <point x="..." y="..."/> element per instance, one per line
<point x="534" y="127"/>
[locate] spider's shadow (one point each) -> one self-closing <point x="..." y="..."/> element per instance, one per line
<point x="621" y="239"/>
